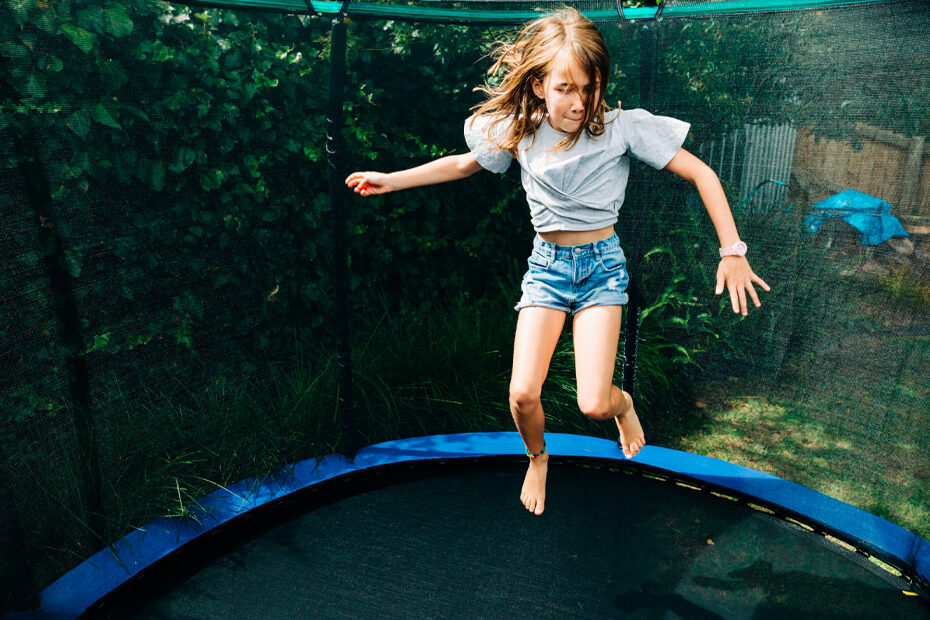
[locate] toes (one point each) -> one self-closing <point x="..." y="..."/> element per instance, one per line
<point x="532" y="504"/>
<point x="633" y="449"/>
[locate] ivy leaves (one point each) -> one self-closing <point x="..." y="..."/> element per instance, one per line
<point x="83" y="39"/>
<point x="175" y="143"/>
<point x="80" y="122"/>
<point x="90" y="23"/>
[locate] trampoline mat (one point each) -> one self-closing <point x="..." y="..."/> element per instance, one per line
<point x="610" y="544"/>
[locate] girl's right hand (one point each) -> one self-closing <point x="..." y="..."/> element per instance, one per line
<point x="369" y="183"/>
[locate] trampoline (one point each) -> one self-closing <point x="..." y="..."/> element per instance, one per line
<point x="431" y="526"/>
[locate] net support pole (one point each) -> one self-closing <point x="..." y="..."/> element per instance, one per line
<point x="65" y="307"/>
<point x="647" y="84"/>
<point x="17" y="582"/>
<point x="337" y="71"/>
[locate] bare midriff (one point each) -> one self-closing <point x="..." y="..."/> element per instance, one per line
<point x="576" y="237"/>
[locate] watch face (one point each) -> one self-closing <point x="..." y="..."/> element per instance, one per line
<point x="737" y="249"/>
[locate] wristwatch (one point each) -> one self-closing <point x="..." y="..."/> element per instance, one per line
<point x="737" y="249"/>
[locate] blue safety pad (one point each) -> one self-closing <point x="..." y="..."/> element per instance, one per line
<point x="869" y="215"/>
<point x="80" y="588"/>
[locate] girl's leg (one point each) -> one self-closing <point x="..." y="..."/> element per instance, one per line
<point x="538" y="331"/>
<point x="597" y="334"/>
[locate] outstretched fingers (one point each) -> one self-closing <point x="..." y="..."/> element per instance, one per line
<point x="753" y="295"/>
<point x="358" y="182"/>
<point x="747" y="286"/>
<point x="752" y="290"/>
<point x="760" y="282"/>
<point x="737" y="277"/>
<point x="366" y="183"/>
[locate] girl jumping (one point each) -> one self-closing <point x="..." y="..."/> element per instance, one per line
<point x="548" y="113"/>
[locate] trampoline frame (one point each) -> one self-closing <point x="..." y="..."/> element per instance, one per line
<point x="89" y="584"/>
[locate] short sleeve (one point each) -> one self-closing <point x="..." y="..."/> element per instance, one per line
<point x="652" y="139"/>
<point x="482" y="146"/>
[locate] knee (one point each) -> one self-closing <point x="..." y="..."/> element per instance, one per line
<point x="523" y="399"/>
<point x="595" y="408"/>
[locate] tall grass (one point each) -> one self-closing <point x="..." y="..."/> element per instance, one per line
<point x="447" y="369"/>
<point x="415" y="373"/>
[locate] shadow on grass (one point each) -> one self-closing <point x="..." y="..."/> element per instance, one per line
<point x="758" y="426"/>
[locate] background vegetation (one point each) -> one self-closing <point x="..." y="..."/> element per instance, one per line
<point x="164" y="323"/>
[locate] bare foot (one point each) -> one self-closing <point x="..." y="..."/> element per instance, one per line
<point x="533" y="494"/>
<point x="632" y="438"/>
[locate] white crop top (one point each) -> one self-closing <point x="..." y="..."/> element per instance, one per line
<point x="582" y="188"/>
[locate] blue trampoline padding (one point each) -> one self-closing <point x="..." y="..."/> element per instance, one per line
<point x="77" y="590"/>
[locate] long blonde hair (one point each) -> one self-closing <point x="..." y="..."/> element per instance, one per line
<point x="532" y="55"/>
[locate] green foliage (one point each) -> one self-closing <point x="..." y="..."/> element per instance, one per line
<point x="26" y="401"/>
<point x="803" y="68"/>
<point x="191" y="144"/>
<point x="906" y="287"/>
<point x="429" y="236"/>
<point x="673" y="334"/>
<point x="184" y="153"/>
<point x="190" y="178"/>
<point x="725" y="74"/>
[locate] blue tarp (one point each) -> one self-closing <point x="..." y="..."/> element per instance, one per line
<point x="869" y="215"/>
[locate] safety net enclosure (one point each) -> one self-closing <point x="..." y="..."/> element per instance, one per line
<point x="182" y="266"/>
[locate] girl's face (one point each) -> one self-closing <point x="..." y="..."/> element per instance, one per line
<point x="566" y="90"/>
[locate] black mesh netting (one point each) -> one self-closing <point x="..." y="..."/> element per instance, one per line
<point x="166" y="306"/>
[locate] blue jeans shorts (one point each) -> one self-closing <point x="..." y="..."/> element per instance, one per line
<point x="574" y="277"/>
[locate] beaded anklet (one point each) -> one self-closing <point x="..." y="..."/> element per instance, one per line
<point x="538" y="454"/>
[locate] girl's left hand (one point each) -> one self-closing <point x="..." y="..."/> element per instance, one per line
<point x="738" y="276"/>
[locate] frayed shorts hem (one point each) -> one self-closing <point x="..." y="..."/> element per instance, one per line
<point x="521" y="305"/>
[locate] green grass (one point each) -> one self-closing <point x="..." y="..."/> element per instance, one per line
<point x="754" y="426"/>
<point x="906" y="286"/>
<point x="448" y="371"/>
<point x="858" y="435"/>
<point x="444" y="371"/>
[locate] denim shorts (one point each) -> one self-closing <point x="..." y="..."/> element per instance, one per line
<point x="574" y="277"/>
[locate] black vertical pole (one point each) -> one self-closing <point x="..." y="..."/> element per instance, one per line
<point x="337" y="70"/>
<point x="65" y="306"/>
<point x="17" y="583"/>
<point x="647" y="86"/>
<point x="649" y="65"/>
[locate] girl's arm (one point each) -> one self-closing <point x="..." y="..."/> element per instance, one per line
<point x="733" y="272"/>
<point x="449" y="168"/>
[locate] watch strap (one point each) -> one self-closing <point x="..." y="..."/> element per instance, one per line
<point x="737" y="249"/>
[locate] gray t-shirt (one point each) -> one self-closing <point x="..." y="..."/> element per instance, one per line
<point x="582" y="188"/>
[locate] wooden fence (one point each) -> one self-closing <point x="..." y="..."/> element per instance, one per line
<point x="889" y="166"/>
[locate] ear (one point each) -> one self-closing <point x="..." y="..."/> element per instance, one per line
<point x="538" y="88"/>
